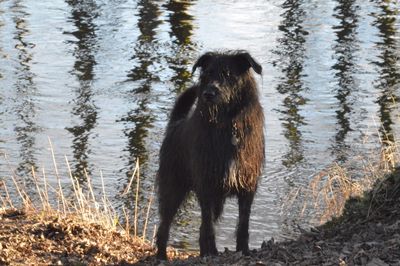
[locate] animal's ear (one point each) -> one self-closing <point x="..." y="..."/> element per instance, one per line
<point x="247" y="61"/>
<point x="202" y="62"/>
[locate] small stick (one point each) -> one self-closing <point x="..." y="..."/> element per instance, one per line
<point x="57" y="175"/>
<point x="147" y="214"/>
<point x="136" y="197"/>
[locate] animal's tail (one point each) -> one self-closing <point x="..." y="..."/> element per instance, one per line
<point x="183" y="104"/>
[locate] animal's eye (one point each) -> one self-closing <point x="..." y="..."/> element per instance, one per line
<point x="206" y="73"/>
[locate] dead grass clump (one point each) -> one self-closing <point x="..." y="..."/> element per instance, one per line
<point x="83" y="225"/>
<point x="329" y="190"/>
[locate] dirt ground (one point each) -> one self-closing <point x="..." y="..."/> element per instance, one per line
<point x="368" y="233"/>
<point x="29" y="239"/>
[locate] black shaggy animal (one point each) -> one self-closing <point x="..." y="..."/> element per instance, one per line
<point x="214" y="146"/>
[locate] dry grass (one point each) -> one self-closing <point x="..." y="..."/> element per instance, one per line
<point x="70" y="224"/>
<point x="328" y="191"/>
<point x="84" y="204"/>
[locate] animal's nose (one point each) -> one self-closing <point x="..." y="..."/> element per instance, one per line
<point x="209" y="94"/>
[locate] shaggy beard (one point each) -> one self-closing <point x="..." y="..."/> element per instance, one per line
<point x="210" y="113"/>
<point x="213" y="114"/>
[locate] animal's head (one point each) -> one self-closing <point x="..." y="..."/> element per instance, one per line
<point x="224" y="75"/>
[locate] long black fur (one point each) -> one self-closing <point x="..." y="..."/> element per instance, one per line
<point x="214" y="146"/>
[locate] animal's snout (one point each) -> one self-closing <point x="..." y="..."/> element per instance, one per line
<point x="210" y="93"/>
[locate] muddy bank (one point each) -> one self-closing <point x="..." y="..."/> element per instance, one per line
<point x="368" y="233"/>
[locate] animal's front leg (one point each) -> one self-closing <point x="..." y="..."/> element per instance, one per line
<point x="207" y="235"/>
<point x="242" y="234"/>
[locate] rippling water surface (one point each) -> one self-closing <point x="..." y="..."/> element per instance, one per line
<point x="99" y="77"/>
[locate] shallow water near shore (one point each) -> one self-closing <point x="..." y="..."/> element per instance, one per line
<point x="99" y="78"/>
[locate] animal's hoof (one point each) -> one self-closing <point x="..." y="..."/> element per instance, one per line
<point x="244" y="251"/>
<point x="161" y="256"/>
<point x="209" y="253"/>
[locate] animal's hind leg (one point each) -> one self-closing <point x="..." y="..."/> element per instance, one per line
<point x="170" y="198"/>
<point x="242" y="234"/>
<point x="207" y="235"/>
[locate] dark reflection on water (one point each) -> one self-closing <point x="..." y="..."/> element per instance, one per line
<point x="138" y="120"/>
<point x="25" y="91"/>
<point x="180" y="33"/>
<point x="291" y="61"/>
<point x="84" y="109"/>
<point x="145" y="56"/>
<point x="181" y="22"/>
<point x="344" y="70"/>
<point x="389" y="73"/>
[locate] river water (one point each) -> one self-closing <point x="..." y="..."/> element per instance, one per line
<point x="99" y="77"/>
